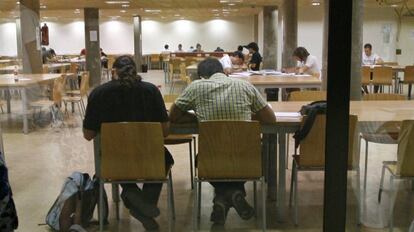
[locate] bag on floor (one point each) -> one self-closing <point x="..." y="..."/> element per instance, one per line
<point x="310" y="110"/>
<point x="8" y="216"/>
<point x="76" y="203"/>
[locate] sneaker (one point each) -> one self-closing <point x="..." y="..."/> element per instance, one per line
<point x="133" y="201"/>
<point x="243" y="208"/>
<point x="219" y="214"/>
<point x="147" y="222"/>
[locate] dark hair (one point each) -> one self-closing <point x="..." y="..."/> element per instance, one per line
<point x="238" y="54"/>
<point x="166" y="46"/>
<point x="253" y="46"/>
<point x="180" y="45"/>
<point x="301" y="53"/>
<point x="240" y="48"/>
<point x="126" y="69"/>
<point x="368" y="45"/>
<point x="198" y="45"/>
<point x="209" y="67"/>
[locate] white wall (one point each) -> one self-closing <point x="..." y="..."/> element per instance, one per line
<point x="117" y="36"/>
<point x="406" y="42"/>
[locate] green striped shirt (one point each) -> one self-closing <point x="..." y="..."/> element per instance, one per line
<point x="221" y="98"/>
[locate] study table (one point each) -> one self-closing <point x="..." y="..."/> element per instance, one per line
<point x="25" y="81"/>
<point x="52" y="67"/>
<point x="371" y="114"/>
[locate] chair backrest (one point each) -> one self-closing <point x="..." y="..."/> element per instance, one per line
<point x="229" y="149"/>
<point x="409" y="74"/>
<point x="307" y="96"/>
<point x="189" y="61"/>
<point x="312" y="148"/>
<point x="382" y="75"/>
<point x="74" y="68"/>
<point x="111" y="61"/>
<point x="365" y="75"/>
<point x="84" y="86"/>
<point x="58" y="88"/>
<point x="405" y="157"/>
<point x="132" y="151"/>
<point x="45" y="68"/>
<point x="175" y="65"/>
<point x="62" y="69"/>
<point x="155" y="57"/>
<point x="170" y="98"/>
<point x="383" y="97"/>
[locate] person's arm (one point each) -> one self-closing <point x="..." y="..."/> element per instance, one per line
<point x="89" y="134"/>
<point x="179" y="116"/>
<point x="228" y="71"/>
<point x="265" y="115"/>
<point x="379" y="60"/>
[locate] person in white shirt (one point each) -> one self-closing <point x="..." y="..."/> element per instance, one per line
<point x="180" y="48"/>
<point x="369" y="58"/>
<point x="306" y="63"/>
<point x="228" y="62"/>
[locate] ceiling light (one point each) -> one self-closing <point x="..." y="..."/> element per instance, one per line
<point x="77" y="11"/>
<point x="125" y="5"/>
<point x="316" y="3"/>
<point x="18" y="3"/>
<point x="177" y="15"/>
<point x="122" y="11"/>
<point x="394" y="5"/>
<point x="215" y="10"/>
<point x="42" y="7"/>
<point x="117" y="2"/>
<point x="152" y="11"/>
<point x="232" y="4"/>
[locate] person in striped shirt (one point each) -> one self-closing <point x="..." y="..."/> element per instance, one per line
<point x="218" y="97"/>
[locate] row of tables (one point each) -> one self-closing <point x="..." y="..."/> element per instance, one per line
<point x="370" y="115"/>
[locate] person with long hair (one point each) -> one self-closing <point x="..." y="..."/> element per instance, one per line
<point x="306" y="63"/>
<point x="129" y="99"/>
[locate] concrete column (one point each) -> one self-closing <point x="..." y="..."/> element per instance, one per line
<point x="29" y="36"/>
<point x="93" y="53"/>
<point x="256" y="28"/>
<point x="356" y="61"/>
<point x="324" y="70"/>
<point x="19" y="40"/>
<point x="269" y="37"/>
<point x="290" y="31"/>
<point x="138" y="42"/>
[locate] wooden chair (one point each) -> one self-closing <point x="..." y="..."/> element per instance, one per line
<point x="312" y="156"/>
<point x="45" y="69"/>
<point x="141" y="146"/>
<point x="307" y="96"/>
<point x="176" y="69"/>
<point x="174" y="139"/>
<point x="408" y="78"/>
<point x="54" y="100"/>
<point x="386" y="133"/>
<point x="229" y="151"/>
<point x="382" y="76"/>
<point x="76" y="98"/>
<point x="189" y="61"/>
<point x="403" y="168"/>
<point x="155" y="59"/>
<point x="366" y="78"/>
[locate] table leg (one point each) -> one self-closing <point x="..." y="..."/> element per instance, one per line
<point x="24" y="111"/>
<point x="8" y="98"/>
<point x="272" y="181"/>
<point x="396" y="82"/>
<point x="281" y="194"/>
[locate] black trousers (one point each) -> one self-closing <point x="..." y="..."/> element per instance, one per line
<point x="151" y="191"/>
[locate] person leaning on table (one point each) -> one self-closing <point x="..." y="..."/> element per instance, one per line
<point x="230" y="63"/>
<point x="129" y="99"/>
<point x="218" y="97"/>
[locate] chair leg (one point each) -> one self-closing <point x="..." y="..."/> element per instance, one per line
<point x="296" y="196"/>
<point x="392" y="191"/>
<point x="291" y="184"/>
<point x="199" y="200"/>
<point x="172" y="195"/>
<point x="366" y="166"/>
<point x="359" y="197"/>
<point x="169" y="205"/>
<point x="100" y="206"/>
<point x="191" y="165"/>
<point x="195" y="205"/>
<point x="255" y="197"/>
<point x="381" y="184"/>
<point x="115" y="198"/>
<point x="264" y="215"/>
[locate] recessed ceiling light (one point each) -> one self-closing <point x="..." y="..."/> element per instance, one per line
<point x="177" y="15"/>
<point x="125" y="5"/>
<point x="77" y="11"/>
<point x="18" y="3"/>
<point x="215" y="10"/>
<point x="117" y="2"/>
<point x="43" y="7"/>
<point x="122" y="11"/>
<point x="232" y="4"/>
<point x="152" y="10"/>
<point x="315" y="3"/>
<point x="394" y="5"/>
<point x="45" y="17"/>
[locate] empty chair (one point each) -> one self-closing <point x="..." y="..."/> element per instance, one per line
<point x="365" y="77"/>
<point x="403" y="168"/>
<point x="409" y="78"/>
<point x="386" y="133"/>
<point x="229" y="151"/>
<point x="382" y="76"/>
<point x="307" y="95"/>
<point x="75" y="98"/>
<point x="176" y="71"/>
<point x="141" y="146"/>
<point x="155" y="59"/>
<point x="311" y="156"/>
<point x="175" y="139"/>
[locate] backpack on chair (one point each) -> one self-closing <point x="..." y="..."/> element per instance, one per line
<point x="74" y="207"/>
<point x="310" y="110"/>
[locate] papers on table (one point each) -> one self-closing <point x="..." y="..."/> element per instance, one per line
<point x="263" y="72"/>
<point x="288" y="114"/>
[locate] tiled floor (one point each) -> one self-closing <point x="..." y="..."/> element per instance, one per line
<point x="39" y="162"/>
